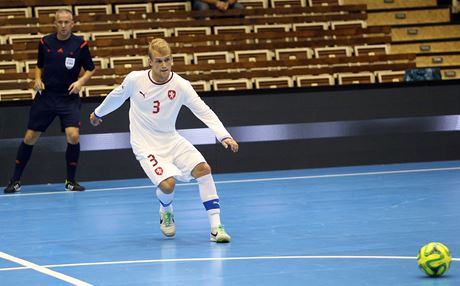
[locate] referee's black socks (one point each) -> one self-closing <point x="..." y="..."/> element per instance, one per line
<point x="72" y="154"/>
<point x="22" y="157"/>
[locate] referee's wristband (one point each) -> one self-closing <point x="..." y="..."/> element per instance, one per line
<point x="98" y="117"/>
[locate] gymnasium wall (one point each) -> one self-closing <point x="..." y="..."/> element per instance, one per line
<point x="277" y="129"/>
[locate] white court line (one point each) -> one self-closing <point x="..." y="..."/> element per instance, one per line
<point x="222" y="259"/>
<point x="43" y="269"/>
<point x="253" y="180"/>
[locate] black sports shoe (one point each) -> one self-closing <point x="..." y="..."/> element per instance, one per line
<point x="13" y="187"/>
<point x="73" y="186"/>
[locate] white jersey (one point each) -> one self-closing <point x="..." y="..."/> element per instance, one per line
<point x="155" y="107"/>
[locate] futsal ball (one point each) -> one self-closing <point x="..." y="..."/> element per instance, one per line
<point x="434" y="259"/>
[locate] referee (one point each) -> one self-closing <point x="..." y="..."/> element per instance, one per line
<point x="61" y="56"/>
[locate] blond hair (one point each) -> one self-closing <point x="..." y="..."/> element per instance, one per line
<point x="159" y="45"/>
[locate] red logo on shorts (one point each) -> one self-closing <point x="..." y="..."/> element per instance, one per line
<point x="159" y="171"/>
<point x="171" y="94"/>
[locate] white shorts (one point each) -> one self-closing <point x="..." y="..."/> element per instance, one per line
<point x="176" y="159"/>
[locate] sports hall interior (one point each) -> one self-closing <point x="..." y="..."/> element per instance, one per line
<point x="270" y="44"/>
<point x="344" y="170"/>
<point x="297" y="56"/>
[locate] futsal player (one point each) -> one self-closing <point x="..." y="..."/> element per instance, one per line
<point x="156" y="97"/>
<point x="61" y="56"/>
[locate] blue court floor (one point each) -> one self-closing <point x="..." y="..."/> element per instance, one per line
<point x="332" y="226"/>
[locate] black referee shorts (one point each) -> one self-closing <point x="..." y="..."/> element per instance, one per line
<point x="47" y="105"/>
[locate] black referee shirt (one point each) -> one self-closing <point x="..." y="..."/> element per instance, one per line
<point x="62" y="61"/>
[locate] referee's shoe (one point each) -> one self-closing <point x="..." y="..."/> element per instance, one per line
<point x="13" y="187"/>
<point x="73" y="186"/>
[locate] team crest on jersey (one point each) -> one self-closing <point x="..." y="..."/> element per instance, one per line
<point x="159" y="171"/>
<point x="171" y="94"/>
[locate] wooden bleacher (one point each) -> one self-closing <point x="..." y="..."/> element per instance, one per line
<point x="119" y="41"/>
<point x="373" y="5"/>
<point x="426" y="30"/>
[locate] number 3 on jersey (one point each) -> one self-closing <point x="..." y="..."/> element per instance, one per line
<point x="156" y="106"/>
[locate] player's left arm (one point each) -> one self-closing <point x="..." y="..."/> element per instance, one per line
<point x="88" y="66"/>
<point x="208" y="117"/>
<point x="230" y="142"/>
<point x="76" y="86"/>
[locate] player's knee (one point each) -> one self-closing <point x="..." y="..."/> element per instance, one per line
<point x="167" y="185"/>
<point x="31" y="137"/>
<point x="72" y="135"/>
<point x="201" y="170"/>
<point x="73" y="138"/>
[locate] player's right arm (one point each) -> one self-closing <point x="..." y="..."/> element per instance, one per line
<point x="38" y="83"/>
<point x="94" y="120"/>
<point x="112" y="101"/>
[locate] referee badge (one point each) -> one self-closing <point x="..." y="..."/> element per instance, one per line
<point x="69" y="63"/>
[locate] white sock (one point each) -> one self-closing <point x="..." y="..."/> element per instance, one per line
<point x="208" y="195"/>
<point x="214" y="220"/>
<point x="165" y="200"/>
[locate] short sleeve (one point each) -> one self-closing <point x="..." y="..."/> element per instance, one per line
<point x="41" y="54"/>
<point x="87" y="61"/>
